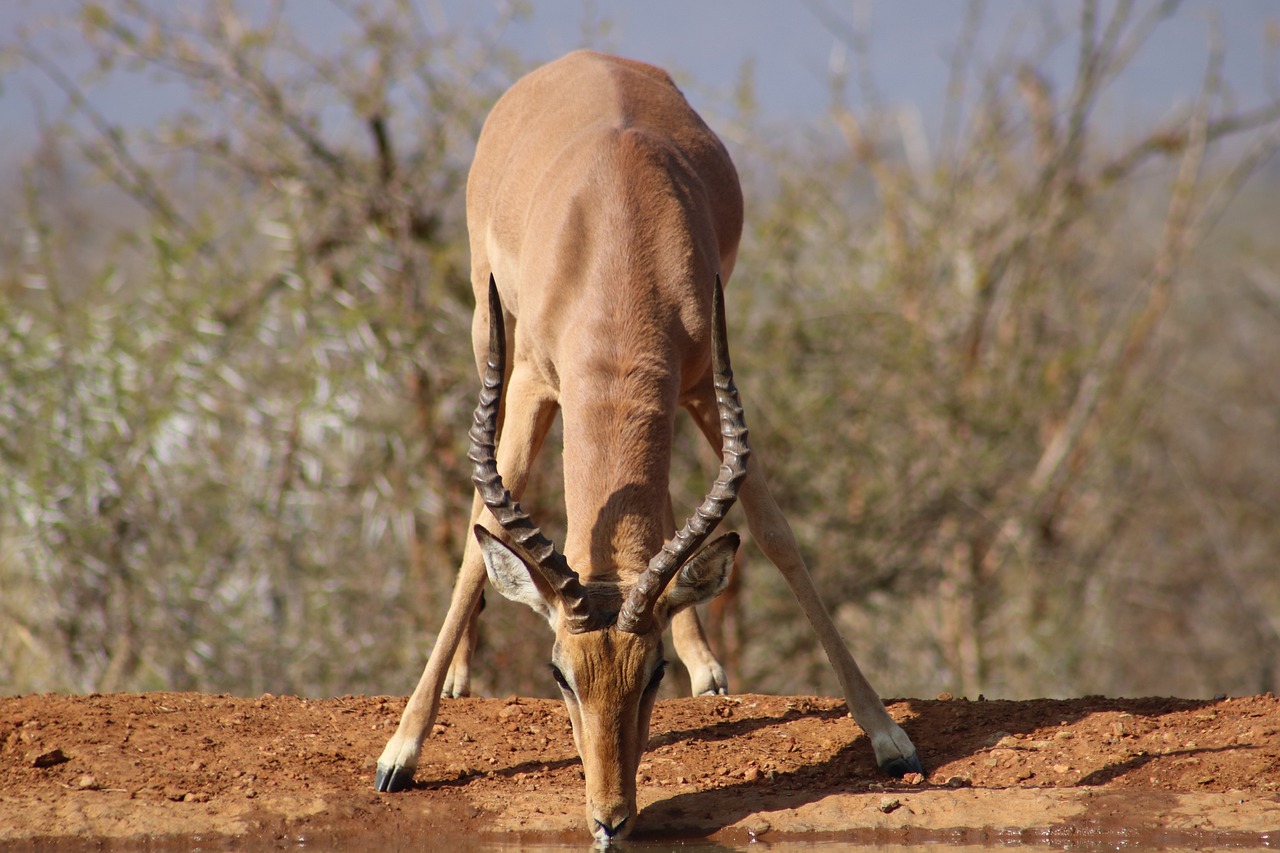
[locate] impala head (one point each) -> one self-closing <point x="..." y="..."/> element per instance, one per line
<point x="609" y="673"/>
<point x="607" y="656"/>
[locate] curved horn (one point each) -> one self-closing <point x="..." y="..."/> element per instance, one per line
<point x="548" y="562"/>
<point x="636" y="615"/>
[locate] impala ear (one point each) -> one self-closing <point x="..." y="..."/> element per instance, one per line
<point x="511" y="576"/>
<point x="700" y="579"/>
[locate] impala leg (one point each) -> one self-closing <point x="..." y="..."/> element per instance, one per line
<point x="399" y="759"/>
<point x="706" y="675"/>
<point x="530" y="410"/>
<point x="894" y="751"/>
<point x="457" y="681"/>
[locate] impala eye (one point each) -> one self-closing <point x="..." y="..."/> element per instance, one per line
<point x="560" y="679"/>
<point x="656" y="678"/>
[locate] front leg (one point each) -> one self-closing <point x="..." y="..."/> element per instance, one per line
<point x="894" y="751"/>
<point x="529" y="411"/>
<point x="399" y="759"/>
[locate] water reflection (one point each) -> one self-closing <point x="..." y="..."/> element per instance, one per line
<point x="959" y="841"/>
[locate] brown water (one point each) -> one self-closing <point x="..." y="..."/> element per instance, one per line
<point x="1066" y="838"/>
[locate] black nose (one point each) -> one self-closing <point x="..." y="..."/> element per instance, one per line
<point x="611" y="831"/>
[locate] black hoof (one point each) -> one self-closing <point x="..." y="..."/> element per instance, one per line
<point x="900" y="767"/>
<point x="397" y="779"/>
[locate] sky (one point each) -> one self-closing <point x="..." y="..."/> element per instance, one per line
<point x="792" y="45"/>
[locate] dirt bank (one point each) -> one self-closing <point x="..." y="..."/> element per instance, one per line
<point x="106" y="768"/>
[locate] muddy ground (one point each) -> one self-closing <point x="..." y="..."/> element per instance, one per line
<point x="166" y="769"/>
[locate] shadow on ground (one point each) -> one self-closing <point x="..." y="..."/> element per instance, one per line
<point x="945" y="732"/>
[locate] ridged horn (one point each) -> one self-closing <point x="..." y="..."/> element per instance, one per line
<point x="539" y="551"/>
<point x="636" y="616"/>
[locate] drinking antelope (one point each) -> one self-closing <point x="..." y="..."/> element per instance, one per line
<point x="603" y="214"/>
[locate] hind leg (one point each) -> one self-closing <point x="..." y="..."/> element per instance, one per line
<point x="706" y="675"/>
<point x="457" y="681"/>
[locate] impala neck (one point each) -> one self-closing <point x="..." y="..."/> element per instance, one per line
<point x="618" y="410"/>
<point x="628" y="277"/>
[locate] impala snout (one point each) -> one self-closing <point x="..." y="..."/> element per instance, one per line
<point x="610" y="710"/>
<point x="611" y="804"/>
<point x="610" y="776"/>
<point x="611" y="825"/>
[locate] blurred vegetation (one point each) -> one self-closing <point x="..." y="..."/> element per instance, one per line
<point x="1014" y="381"/>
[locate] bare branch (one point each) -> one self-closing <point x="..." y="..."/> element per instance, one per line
<point x="377" y="124"/>
<point x="1175" y="136"/>
<point x="124" y="169"/>
<point x="957" y="76"/>
<point x="1124" y="341"/>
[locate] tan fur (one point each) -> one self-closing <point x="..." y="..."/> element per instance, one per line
<point x="604" y="208"/>
<point x="604" y="219"/>
<point x="610" y="716"/>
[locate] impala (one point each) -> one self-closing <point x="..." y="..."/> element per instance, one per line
<point x="603" y="215"/>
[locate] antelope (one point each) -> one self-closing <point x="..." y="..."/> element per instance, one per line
<point x="604" y="217"/>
